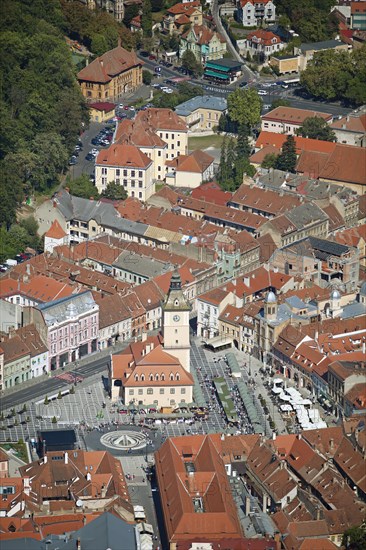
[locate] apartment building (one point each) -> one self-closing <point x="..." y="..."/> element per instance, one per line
<point x="286" y="120"/>
<point x="253" y="13"/>
<point x="127" y="166"/>
<point x="158" y="133"/>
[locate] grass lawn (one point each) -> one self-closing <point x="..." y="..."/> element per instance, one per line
<point x="19" y="448"/>
<point x="202" y="142"/>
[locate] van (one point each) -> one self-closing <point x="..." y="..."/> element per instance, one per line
<point x="157" y="70"/>
<point x="11" y="263"/>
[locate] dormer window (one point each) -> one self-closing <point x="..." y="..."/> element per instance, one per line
<point x="176" y="302"/>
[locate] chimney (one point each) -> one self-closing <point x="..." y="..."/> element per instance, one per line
<point x="144" y="336"/>
<point x="45" y="459"/>
<point x="331" y="443"/>
<point x="11" y="332"/>
<point x="66" y="458"/>
<point x="101" y="62"/>
<point x="274" y="435"/>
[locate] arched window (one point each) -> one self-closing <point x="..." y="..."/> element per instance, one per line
<point x="136" y="377"/>
<point x="156" y="377"/>
<point x="151" y="377"/>
<point x="177" y="376"/>
<point x="162" y="377"/>
<point x="171" y="376"/>
<point x="176" y="302"/>
<point x="142" y="377"/>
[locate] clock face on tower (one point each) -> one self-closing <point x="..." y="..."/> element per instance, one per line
<point x="176" y="318"/>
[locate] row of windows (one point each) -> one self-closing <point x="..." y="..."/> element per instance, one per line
<point x="133" y="173"/>
<point x="157" y="377"/>
<point x="150" y="391"/>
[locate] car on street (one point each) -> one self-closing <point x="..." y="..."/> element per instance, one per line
<point x="3" y="268"/>
<point x="243" y="84"/>
<point x="120" y="106"/>
<point x="262" y="92"/>
<point x="267" y="84"/>
<point x="144" y="54"/>
<point x="266" y="107"/>
<point x="132" y="108"/>
<point x="152" y="57"/>
<point x="89" y="156"/>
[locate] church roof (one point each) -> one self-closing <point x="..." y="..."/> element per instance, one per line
<point x="175" y="299"/>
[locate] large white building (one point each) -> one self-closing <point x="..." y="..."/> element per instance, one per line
<point x="153" y="372"/>
<point x="251" y="13"/>
<point x="158" y="133"/>
<point x="127" y="166"/>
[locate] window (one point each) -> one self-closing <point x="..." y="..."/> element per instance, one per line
<point x="161" y="391"/>
<point x="118" y="172"/>
<point x="125" y="183"/>
<point x="172" y="390"/>
<point x="166" y="136"/>
<point x="130" y="392"/>
<point x="133" y="183"/>
<point x="140" y="184"/>
<point x="183" y="390"/>
<point x="140" y="392"/>
<point x="178" y="143"/>
<point x="132" y="173"/>
<point x="140" y="173"/>
<point x="140" y="195"/>
<point x="149" y="391"/>
<point x="125" y="172"/>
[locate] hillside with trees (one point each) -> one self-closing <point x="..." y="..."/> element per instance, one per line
<point x="41" y="106"/>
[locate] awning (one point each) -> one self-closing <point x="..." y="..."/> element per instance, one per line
<point x="277" y="381"/>
<point x="216" y="67"/>
<point x="218" y="342"/>
<point x="276" y="390"/>
<point x="217" y="75"/>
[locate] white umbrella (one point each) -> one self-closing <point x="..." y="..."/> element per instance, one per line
<point x="276" y="390"/>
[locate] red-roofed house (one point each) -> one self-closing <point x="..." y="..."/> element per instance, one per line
<point x="127" y="166"/>
<point x="181" y="14"/>
<point x="190" y="170"/>
<point x="286" y="120"/>
<point x="101" y="111"/>
<point x="253" y="13"/>
<point x="262" y="43"/>
<point x="111" y="75"/>
<point x="211" y="192"/>
<point x="55" y="236"/>
<point x="205" y="43"/>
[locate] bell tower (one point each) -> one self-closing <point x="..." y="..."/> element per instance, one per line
<point x="175" y="310"/>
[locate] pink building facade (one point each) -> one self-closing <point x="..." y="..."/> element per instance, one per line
<point x="72" y="327"/>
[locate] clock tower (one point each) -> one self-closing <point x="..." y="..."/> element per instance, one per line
<point x="176" y="309"/>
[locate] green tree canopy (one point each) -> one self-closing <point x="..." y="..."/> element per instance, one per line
<point x="286" y="161"/>
<point x="337" y="75"/>
<point x="269" y="161"/>
<point x="355" y="538"/>
<point x="114" y="191"/>
<point x="146" y="18"/>
<point x="190" y="62"/>
<point x="245" y="106"/>
<point x="146" y="77"/>
<point x="83" y="187"/>
<point x="316" y="128"/>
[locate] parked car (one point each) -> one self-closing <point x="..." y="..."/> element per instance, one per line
<point x="262" y="92"/>
<point x="3" y="268"/>
<point x="73" y="161"/>
<point x="243" y="84"/>
<point x="152" y="57"/>
<point x="89" y="156"/>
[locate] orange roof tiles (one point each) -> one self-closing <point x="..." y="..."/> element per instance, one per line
<point x="211" y="192"/>
<point x="345" y="163"/>
<point x="302" y="144"/>
<point x="196" y="162"/>
<point x="260" y="36"/>
<point x="55" y="231"/>
<point x="198" y="504"/>
<point x="264" y="200"/>
<point x="183" y="7"/>
<point x="127" y="156"/>
<point x="109" y="65"/>
<point x="291" y="115"/>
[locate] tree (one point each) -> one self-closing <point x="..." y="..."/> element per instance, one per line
<point x="83" y="187"/>
<point x="59" y="395"/>
<point x="190" y="62"/>
<point x="130" y="12"/>
<point x="146" y="77"/>
<point x="269" y="161"/>
<point x="146" y="18"/>
<point x="31" y="227"/>
<point x="46" y="400"/>
<point x="316" y="128"/>
<point x="245" y="106"/>
<point x="54" y="420"/>
<point x="280" y="103"/>
<point x="99" y="44"/>
<point x="114" y="191"/>
<point x="355" y="538"/>
<point x="286" y="161"/>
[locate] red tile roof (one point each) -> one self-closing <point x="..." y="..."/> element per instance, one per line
<point x="260" y="36"/>
<point x="183" y="7"/>
<point x="197" y="504"/>
<point x="264" y="200"/>
<point x="55" y="231"/>
<point x="302" y="144"/>
<point x="293" y="116"/>
<point x="102" y="106"/>
<point x="196" y="162"/>
<point x="109" y="65"/>
<point x="211" y="192"/>
<point x="127" y="156"/>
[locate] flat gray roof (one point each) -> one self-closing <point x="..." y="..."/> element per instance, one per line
<point x="201" y="102"/>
